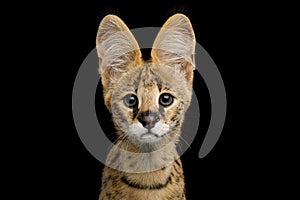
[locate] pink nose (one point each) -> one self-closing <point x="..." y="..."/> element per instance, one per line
<point x="148" y="119"/>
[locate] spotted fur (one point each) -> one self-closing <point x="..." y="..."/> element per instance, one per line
<point x="143" y="163"/>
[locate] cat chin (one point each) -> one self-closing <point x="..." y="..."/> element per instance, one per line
<point x="149" y="138"/>
<point x="149" y="144"/>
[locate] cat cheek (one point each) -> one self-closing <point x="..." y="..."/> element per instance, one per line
<point x="121" y="116"/>
<point x="171" y="115"/>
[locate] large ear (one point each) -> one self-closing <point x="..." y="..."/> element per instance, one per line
<point x="175" y="45"/>
<point x="117" y="49"/>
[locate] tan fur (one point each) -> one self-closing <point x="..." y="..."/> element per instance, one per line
<point x="139" y="168"/>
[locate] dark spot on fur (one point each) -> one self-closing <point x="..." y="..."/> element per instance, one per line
<point x="114" y="179"/>
<point x="177" y="162"/>
<point x="118" y="195"/>
<point x="156" y="186"/>
<point x="114" y="182"/>
<point x="161" y="110"/>
<point x="104" y="183"/>
<point x="177" y="171"/>
<point x="173" y="118"/>
<point x="159" y="87"/>
<point x="177" y="179"/>
<point x="132" y="165"/>
<point x="177" y="123"/>
<point x="108" y="194"/>
<point x="115" y="158"/>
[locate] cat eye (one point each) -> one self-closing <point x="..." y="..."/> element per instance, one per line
<point x="165" y="99"/>
<point x="130" y="100"/>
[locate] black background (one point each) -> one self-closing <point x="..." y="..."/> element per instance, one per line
<point x="244" y="162"/>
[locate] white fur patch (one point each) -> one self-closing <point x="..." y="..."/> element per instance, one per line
<point x="142" y="134"/>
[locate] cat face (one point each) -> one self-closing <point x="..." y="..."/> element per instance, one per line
<point x="149" y="104"/>
<point x="147" y="99"/>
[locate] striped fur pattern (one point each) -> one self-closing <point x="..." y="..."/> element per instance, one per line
<point x="147" y="100"/>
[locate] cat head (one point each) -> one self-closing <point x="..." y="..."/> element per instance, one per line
<point x="147" y="99"/>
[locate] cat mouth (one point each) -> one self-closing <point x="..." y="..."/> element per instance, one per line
<point x="149" y="135"/>
<point x="143" y="135"/>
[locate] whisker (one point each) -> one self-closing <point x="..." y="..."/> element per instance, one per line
<point x="180" y="146"/>
<point x="181" y="137"/>
<point x="119" y="139"/>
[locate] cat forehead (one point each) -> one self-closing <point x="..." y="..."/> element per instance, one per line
<point x="149" y="75"/>
<point x="152" y="75"/>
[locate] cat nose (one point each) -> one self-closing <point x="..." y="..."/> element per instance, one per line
<point x="148" y="119"/>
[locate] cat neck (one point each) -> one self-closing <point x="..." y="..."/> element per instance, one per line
<point x="127" y="157"/>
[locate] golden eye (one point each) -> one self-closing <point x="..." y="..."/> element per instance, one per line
<point x="130" y="100"/>
<point x="165" y="99"/>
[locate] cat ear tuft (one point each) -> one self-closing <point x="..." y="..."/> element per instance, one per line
<point x="175" y="45"/>
<point x="117" y="49"/>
